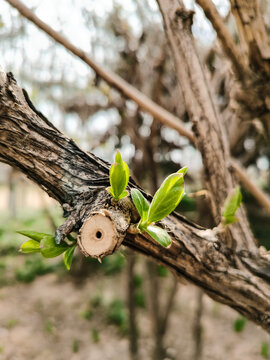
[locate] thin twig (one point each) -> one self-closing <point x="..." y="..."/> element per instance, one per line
<point x="133" y="329"/>
<point x="260" y="196"/>
<point x="168" y="308"/>
<point x="224" y="36"/>
<point x="197" y="327"/>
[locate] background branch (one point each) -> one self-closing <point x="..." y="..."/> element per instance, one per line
<point x="225" y="37"/>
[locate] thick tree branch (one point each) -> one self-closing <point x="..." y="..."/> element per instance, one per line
<point x="240" y="279"/>
<point x="158" y="112"/>
<point x="252" y="32"/>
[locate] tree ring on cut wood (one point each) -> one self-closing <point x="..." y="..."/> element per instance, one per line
<point x="98" y="235"/>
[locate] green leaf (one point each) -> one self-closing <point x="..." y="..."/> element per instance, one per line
<point x="119" y="176"/>
<point x="140" y="203"/>
<point x="159" y="235"/>
<point x="50" y="249"/>
<point x="33" y="234"/>
<point x="68" y="256"/>
<point x="71" y="238"/>
<point x="232" y="203"/>
<point x="30" y="246"/>
<point x="183" y="170"/>
<point x="239" y="324"/>
<point x="166" y="198"/>
<point x="123" y="194"/>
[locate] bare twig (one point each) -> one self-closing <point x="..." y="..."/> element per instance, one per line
<point x="224" y="36"/>
<point x="197" y="326"/>
<point x="168" y="307"/>
<point x="259" y="195"/>
<point x="133" y="330"/>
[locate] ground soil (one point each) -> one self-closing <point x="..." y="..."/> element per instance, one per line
<point x="42" y="321"/>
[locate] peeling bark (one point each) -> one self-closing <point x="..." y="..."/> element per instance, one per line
<point x="77" y="180"/>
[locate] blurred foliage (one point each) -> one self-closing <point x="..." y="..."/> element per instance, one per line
<point x="75" y="345"/>
<point x="265" y="350"/>
<point x="34" y="266"/>
<point x="114" y="264"/>
<point x="140" y="300"/>
<point x="239" y="324"/>
<point x="162" y="271"/>
<point x="95" y="335"/>
<point x="117" y="315"/>
<point x="11" y="323"/>
<point x="48" y="327"/>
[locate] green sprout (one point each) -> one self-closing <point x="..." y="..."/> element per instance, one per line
<point x="232" y="203"/>
<point x="45" y="244"/>
<point x="165" y="200"/>
<point x="119" y="176"/>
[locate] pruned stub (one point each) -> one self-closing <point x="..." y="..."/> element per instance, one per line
<point x="98" y="235"/>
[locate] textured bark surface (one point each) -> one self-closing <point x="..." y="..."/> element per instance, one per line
<point x="238" y="278"/>
<point x="249" y="98"/>
<point x="204" y="115"/>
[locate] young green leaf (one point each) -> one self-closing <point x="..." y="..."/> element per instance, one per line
<point x="140" y="203"/>
<point x="33" y="234"/>
<point x="50" y="249"/>
<point x="123" y="194"/>
<point x="119" y="176"/>
<point x="71" y="238"/>
<point x="183" y="170"/>
<point x="166" y="198"/>
<point x="30" y="246"/>
<point x="68" y="256"/>
<point x="159" y="235"/>
<point x="232" y="203"/>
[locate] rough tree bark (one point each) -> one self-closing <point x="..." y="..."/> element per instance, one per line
<point x="207" y="126"/>
<point x="77" y="180"/>
<point x="250" y="59"/>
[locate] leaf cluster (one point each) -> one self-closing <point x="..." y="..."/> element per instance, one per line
<point x="45" y="244"/>
<point x="165" y="200"/>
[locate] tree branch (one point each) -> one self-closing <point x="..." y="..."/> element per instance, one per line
<point x="240" y="279"/>
<point x="252" y="32"/>
<point x="261" y="196"/>
<point x="225" y="37"/>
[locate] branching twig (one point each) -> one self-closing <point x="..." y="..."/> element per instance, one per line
<point x="224" y="36"/>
